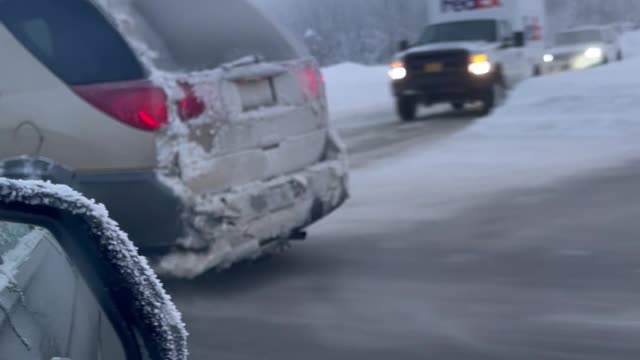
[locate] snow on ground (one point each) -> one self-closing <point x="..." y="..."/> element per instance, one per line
<point x="596" y="103"/>
<point x="551" y="128"/>
<point x="357" y="93"/>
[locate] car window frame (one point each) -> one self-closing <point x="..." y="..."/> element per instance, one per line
<point x="71" y="235"/>
<point x="116" y="27"/>
<point x="140" y="72"/>
<point x="107" y="258"/>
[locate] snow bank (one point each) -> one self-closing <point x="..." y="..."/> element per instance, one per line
<point x="631" y="43"/>
<point x="597" y="102"/>
<point x="356" y="92"/>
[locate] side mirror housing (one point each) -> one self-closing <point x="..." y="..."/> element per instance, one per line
<point x="55" y="238"/>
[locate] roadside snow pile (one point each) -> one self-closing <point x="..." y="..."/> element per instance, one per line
<point x="356" y="90"/>
<point x="551" y="128"/>
<point x="598" y="102"/>
<point x="631" y="44"/>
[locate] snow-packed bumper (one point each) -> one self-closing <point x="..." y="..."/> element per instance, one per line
<point x="243" y="223"/>
<point x="186" y="237"/>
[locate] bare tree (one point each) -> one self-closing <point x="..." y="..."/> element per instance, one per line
<point x="367" y="31"/>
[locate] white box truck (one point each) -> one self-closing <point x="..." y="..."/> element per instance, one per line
<point x="471" y="50"/>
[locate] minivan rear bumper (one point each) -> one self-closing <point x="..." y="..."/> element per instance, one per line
<point x="244" y="223"/>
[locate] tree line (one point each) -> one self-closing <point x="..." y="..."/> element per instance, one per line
<point x="367" y="31"/>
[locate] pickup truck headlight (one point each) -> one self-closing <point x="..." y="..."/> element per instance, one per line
<point x="593" y="53"/>
<point x="397" y="71"/>
<point x="548" y="58"/>
<point x="480" y="65"/>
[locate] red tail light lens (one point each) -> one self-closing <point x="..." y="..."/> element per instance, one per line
<point x="312" y="80"/>
<point x="190" y="107"/>
<point x="139" y="104"/>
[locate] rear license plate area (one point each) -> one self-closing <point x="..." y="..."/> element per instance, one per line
<point x="255" y="94"/>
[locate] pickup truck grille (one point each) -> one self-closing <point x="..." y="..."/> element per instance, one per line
<point x="451" y="62"/>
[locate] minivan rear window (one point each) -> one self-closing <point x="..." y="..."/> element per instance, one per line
<point x="209" y="33"/>
<point x="73" y="39"/>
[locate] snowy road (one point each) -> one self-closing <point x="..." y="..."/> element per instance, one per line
<point x="527" y="275"/>
<point x="507" y="237"/>
<point x="386" y="139"/>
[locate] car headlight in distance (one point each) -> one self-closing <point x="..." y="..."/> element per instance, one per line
<point x="397" y="71"/>
<point x="548" y="58"/>
<point x="593" y="53"/>
<point x="479" y="64"/>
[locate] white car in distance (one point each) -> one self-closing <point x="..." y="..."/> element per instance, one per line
<point x="583" y="48"/>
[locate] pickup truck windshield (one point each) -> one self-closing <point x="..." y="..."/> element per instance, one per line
<point x="578" y="37"/>
<point x="477" y="30"/>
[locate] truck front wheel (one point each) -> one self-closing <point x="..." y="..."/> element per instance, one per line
<point x="457" y="105"/>
<point x="537" y="71"/>
<point x="494" y="97"/>
<point x="406" y="106"/>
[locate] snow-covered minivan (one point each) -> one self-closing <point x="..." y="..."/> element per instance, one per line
<point x="200" y="125"/>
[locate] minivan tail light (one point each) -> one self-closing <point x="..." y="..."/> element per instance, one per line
<point x="189" y="107"/>
<point x="139" y="104"/>
<point x="312" y="80"/>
